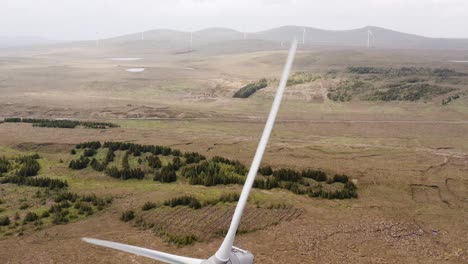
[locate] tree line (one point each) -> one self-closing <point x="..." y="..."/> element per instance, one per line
<point x="251" y="88"/>
<point x="79" y="164"/>
<point x="45" y="182"/>
<point x="62" y="123"/>
<point x="193" y="202"/>
<point x="406" y="71"/>
<point x="125" y="174"/>
<point x="197" y="170"/>
<point x="137" y="148"/>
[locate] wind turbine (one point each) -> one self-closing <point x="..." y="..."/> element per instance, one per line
<point x="227" y="253"/>
<point x="304" y="36"/>
<point x="191" y="40"/>
<point x="142" y="35"/>
<point x="97" y="39"/>
<point x="369" y="34"/>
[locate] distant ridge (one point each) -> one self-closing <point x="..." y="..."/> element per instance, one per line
<point x="218" y="40"/>
<point x="383" y="38"/>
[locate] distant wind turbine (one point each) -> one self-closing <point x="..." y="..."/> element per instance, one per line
<point x="303" y="36"/>
<point x="97" y="39"/>
<point x="227" y="252"/>
<point x="369" y="34"/>
<point x="143" y="35"/>
<point x="191" y="40"/>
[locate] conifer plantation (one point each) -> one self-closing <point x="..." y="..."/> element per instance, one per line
<point x="126" y="161"/>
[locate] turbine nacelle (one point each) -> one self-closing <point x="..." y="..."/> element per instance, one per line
<point x="237" y="256"/>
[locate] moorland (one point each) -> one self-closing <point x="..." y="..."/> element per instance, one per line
<point x="368" y="161"/>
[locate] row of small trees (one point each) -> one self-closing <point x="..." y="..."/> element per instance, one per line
<point x="189" y="201"/>
<point x="193" y="202"/>
<point x="125" y="174"/>
<point x="61" y="123"/>
<point x="167" y="174"/>
<point x="138" y="149"/>
<point x="251" y="88"/>
<point x="298" y="176"/>
<point x="199" y="171"/>
<point x="79" y="164"/>
<point x="92" y="144"/>
<point x="349" y="190"/>
<point x="46" y="182"/>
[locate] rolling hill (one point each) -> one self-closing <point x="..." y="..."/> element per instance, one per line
<point x="223" y="41"/>
<point x="383" y="38"/>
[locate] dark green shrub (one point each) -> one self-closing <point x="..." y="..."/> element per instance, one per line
<point x="317" y="175"/>
<point x="29" y="166"/>
<point x="89" y="152"/>
<point x="189" y="201"/>
<point x="30" y="217"/>
<point x="229" y="197"/>
<point x="287" y="175"/>
<point x="79" y="164"/>
<point x="148" y="206"/>
<point x="4" y="221"/>
<point x="193" y="157"/>
<point x="165" y="175"/>
<point x="127" y="216"/>
<point x="266" y="171"/>
<point x="13" y="120"/>
<point x="45" y="214"/>
<point x="154" y="162"/>
<point x="340" y="178"/>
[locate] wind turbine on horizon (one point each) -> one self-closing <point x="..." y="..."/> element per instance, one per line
<point x="304" y="36"/>
<point x="369" y="34"/>
<point x="97" y="40"/>
<point x="227" y="253"/>
<point x="191" y="40"/>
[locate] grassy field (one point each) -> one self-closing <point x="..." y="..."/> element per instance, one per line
<point x="409" y="159"/>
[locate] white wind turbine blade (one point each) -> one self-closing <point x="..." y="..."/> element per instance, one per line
<point x="224" y="251"/>
<point x="152" y="254"/>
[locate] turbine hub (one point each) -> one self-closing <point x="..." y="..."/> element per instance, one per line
<point x="237" y="256"/>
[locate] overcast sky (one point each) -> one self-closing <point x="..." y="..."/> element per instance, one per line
<point x="89" y="19"/>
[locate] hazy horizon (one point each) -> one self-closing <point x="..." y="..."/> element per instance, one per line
<point x="84" y="20"/>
